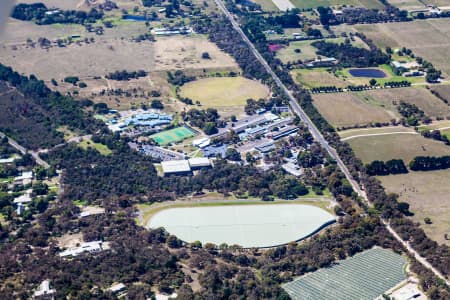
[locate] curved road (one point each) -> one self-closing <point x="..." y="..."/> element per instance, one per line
<point x="318" y="137"/>
<point x="23" y="150"/>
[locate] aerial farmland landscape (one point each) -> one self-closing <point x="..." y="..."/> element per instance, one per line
<point x="220" y="149"/>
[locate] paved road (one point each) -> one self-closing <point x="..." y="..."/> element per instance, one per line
<point x="318" y="137"/>
<point x="23" y="150"/>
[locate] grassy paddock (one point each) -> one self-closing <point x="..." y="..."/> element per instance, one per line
<point x="396" y="146"/>
<point x="87" y="143"/>
<point x="315" y="3"/>
<point x="428" y="196"/>
<point x="224" y="91"/>
<point x="347" y="109"/>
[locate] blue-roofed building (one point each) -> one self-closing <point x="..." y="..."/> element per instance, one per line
<point x="215" y="150"/>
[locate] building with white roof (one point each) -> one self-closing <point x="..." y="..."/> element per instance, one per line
<point x="175" y="167"/>
<point x="91" y="247"/>
<point x="199" y="162"/>
<point x="117" y="288"/>
<point x="24" y="178"/>
<point x="25" y="198"/>
<point x="44" y="290"/>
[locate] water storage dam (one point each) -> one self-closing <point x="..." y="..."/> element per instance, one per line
<point x="249" y="226"/>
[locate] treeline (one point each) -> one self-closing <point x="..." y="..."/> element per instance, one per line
<point x="207" y="120"/>
<point x="179" y="78"/>
<point x="429" y="163"/>
<point x="412" y="114"/>
<point x="126" y="173"/>
<point x="381" y="168"/>
<point x="126" y="75"/>
<point x="355" y="15"/>
<point x="350" y="56"/>
<point x="34" y="114"/>
<point x="39" y="13"/>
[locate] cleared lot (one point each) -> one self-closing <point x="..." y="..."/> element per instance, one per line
<point x="428" y="196"/>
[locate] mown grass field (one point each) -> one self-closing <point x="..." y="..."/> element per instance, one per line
<point x="311" y="78"/>
<point x="429" y="39"/>
<point x="428" y="196"/>
<point x="87" y="143"/>
<point x="224" y="93"/>
<point x="396" y="146"/>
<point x="347" y="109"/>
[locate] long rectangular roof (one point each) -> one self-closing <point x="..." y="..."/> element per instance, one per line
<point x="175" y="166"/>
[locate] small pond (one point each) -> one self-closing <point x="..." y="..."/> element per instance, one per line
<point x="135" y="18"/>
<point x="369" y="72"/>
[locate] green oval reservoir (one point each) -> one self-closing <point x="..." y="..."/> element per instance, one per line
<point x="249" y="226"/>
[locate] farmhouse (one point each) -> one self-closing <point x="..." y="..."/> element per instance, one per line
<point x="118" y="288"/>
<point x="402" y="67"/>
<point x="44" y="290"/>
<point x="25" y="198"/>
<point x="24" y="179"/>
<point x="322" y="62"/>
<point x="171" y="31"/>
<point x="91" y="247"/>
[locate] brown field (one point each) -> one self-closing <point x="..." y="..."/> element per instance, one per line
<point x="82" y="4"/>
<point x="396" y="146"/>
<point x="429" y="39"/>
<point x="428" y="194"/>
<point x="443" y="90"/>
<point x="431" y="105"/>
<point x="110" y="52"/>
<point x="347" y="109"/>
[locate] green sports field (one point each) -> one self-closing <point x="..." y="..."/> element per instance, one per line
<point x="172" y="136"/>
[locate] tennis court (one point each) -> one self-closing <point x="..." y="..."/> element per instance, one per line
<point x="366" y="275"/>
<point x="174" y="135"/>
